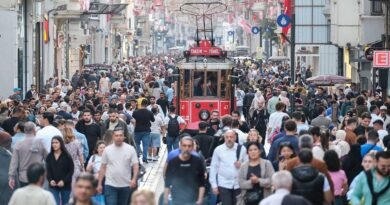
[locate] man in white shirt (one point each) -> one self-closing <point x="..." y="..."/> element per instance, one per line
<point x="378" y="126"/>
<point x="33" y="193"/>
<point x="48" y="131"/>
<point x="120" y="168"/>
<point x="242" y="137"/>
<point x="154" y="104"/>
<point x="374" y="110"/>
<point x="385" y="117"/>
<point x="225" y="165"/>
<point x="282" y="184"/>
<point x="276" y="118"/>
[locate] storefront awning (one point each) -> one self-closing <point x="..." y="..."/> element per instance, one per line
<point x="100" y="8"/>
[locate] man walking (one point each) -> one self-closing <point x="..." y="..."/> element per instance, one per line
<point x="48" y="131"/>
<point x="205" y="141"/>
<point x="225" y="163"/>
<point x="120" y="168"/>
<point x="282" y="184"/>
<point x="143" y="118"/>
<point x="309" y="182"/>
<point x="26" y="152"/>
<point x="185" y="176"/>
<point x="172" y="123"/>
<point x="90" y="129"/>
<point x="33" y="193"/>
<point x="374" y="185"/>
<point x="84" y="189"/>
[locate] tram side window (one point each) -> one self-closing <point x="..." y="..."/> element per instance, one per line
<point x="187" y="78"/>
<point x="212" y="83"/>
<point x="198" y="83"/>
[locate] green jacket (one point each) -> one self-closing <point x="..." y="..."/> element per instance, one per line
<point x="361" y="190"/>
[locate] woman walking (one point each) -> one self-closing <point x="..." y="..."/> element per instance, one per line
<point x="60" y="169"/>
<point x="254" y="177"/>
<point x="75" y="150"/>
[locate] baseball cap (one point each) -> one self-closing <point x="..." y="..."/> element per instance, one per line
<point x="378" y="121"/>
<point x="17" y="89"/>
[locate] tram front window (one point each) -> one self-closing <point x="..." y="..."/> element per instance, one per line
<point x="211" y="86"/>
<point x="198" y="83"/>
<point x="205" y="84"/>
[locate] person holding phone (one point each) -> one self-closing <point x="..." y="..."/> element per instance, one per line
<point x="286" y="152"/>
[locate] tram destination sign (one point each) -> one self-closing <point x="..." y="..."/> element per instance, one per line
<point x="205" y="51"/>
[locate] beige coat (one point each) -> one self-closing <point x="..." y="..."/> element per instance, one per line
<point x="266" y="170"/>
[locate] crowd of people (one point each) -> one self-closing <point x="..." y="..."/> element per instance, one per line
<point x="88" y="139"/>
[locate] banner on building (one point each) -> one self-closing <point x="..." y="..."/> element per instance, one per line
<point x="46" y="31"/>
<point x="287" y="11"/>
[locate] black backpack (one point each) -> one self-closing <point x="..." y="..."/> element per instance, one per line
<point x="173" y="129"/>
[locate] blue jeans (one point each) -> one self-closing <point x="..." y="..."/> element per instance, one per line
<point x="172" y="143"/>
<point x="117" y="195"/>
<point x="60" y="195"/>
<point x="143" y="137"/>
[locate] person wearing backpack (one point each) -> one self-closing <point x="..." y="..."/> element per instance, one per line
<point x="374" y="185"/>
<point x="172" y="123"/>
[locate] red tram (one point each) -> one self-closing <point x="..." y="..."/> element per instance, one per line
<point x="204" y="84"/>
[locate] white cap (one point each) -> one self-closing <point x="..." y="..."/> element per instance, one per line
<point x="383" y="107"/>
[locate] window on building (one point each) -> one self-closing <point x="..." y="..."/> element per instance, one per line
<point x="376" y="8"/>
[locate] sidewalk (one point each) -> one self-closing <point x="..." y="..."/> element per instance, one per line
<point x="153" y="179"/>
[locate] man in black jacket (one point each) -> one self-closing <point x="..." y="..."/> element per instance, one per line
<point x="204" y="140"/>
<point x="90" y="129"/>
<point x="248" y="98"/>
<point x="282" y="184"/>
<point x="308" y="182"/>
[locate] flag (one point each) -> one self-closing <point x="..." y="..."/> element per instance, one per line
<point x="46" y="31"/>
<point x="246" y="26"/>
<point x="286" y="11"/>
<point x="231" y="18"/>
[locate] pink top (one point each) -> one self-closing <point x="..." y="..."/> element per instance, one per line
<point x="338" y="178"/>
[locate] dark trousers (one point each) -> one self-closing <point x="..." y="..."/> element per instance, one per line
<point x="340" y="200"/>
<point x="117" y="195"/>
<point x="22" y="184"/>
<point x="228" y="196"/>
<point x="245" y="110"/>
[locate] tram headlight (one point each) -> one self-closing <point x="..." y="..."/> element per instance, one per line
<point x="204" y="115"/>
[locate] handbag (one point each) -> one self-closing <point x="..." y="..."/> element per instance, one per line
<point x="253" y="197"/>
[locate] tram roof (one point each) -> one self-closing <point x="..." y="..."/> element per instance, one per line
<point x="211" y="63"/>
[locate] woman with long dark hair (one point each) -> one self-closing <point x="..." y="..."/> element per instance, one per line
<point x="254" y="177"/>
<point x="285" y="153"/>
<point x="340" y="181"/>
<point x="75" y="150"/>
<point x="351" y="163"/>
<point x="60" y="169"/>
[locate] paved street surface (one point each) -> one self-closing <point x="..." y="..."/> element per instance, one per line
<point x="153" y="179"/>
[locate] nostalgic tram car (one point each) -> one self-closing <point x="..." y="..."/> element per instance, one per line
<point x="205" y="84"/>
<point x="205" y="75"/>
